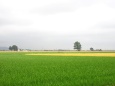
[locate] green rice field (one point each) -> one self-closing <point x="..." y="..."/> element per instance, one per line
<point x="47" y="69"/>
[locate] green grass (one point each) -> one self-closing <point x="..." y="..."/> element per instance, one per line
<point x="18" y="69"/>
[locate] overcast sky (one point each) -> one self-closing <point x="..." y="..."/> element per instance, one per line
<point x="57" y="24"/>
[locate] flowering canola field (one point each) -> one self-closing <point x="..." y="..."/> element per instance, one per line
<point x="73" y="54"/>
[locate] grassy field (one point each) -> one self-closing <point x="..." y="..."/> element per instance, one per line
<point x="57" y="69"/>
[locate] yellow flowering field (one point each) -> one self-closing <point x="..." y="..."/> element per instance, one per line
<point x="73" y="54"/>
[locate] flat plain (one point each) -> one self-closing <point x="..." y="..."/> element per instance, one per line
<point x="57" y="68"/>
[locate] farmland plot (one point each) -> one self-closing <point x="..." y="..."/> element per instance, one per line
<point x="57" y="69"/>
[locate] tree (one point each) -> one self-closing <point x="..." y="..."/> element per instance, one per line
<point x="91" y="49"/>
<point x="77" y="45"/>
<point x="10" y="48"/>
<point x="14" y="48"/>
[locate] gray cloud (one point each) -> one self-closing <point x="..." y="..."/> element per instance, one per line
<point x="107" y="25"/>
<point x="71" y="6"/>
<point x="41" y="40"/>
<point x="7" y="17"/>
<point x="59" y="24"/>
<point x="110" y="3"/>
<point x="54" y="8"/>
<point x="4" y="22"/>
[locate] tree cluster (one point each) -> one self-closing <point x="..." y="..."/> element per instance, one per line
<point x="91" y="49"/>
<point x="13" y="48"/>
<point x="95" y="50"/>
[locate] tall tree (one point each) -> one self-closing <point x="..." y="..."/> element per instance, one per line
<point x="15" y="48"/>
<point x="77" y="45"/>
